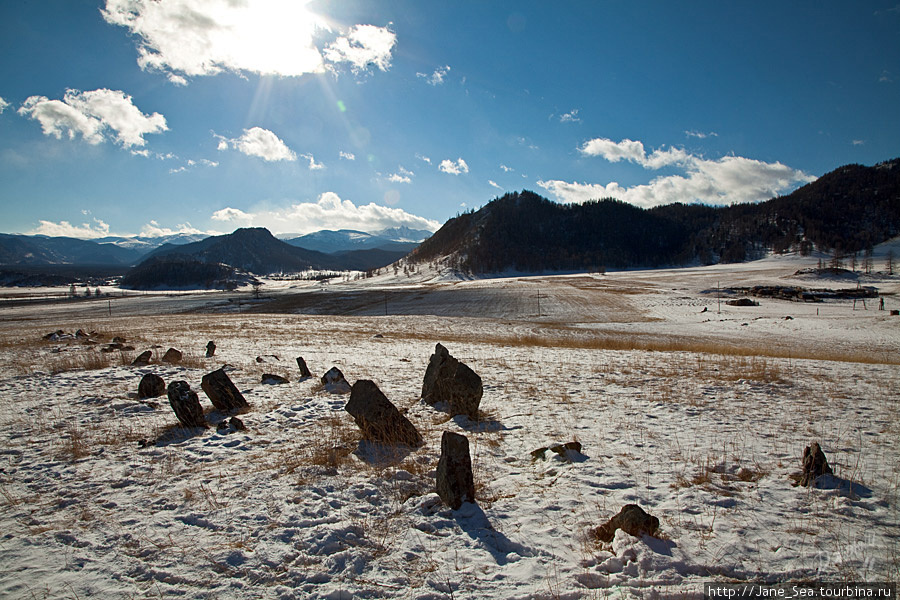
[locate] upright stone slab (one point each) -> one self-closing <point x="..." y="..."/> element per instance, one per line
<point x="452" y="382"/>
<point x="186" y="404"/>
<point x="172" y="356"/>
<point x="143" y="359"/>
<point x="335" y="382"/>
<point x="222" y="392"/>
<point x="378" y="419"/>
<point x="304" y="370"/>
<point x="210" y="349"/>
<point x="151" y="386"/>
<point x="455" y="483"/>
<point x="814" y="464"/>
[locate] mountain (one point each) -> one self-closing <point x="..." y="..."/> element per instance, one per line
<point x="145" y="244"/>
<point x="178" y="271"/>
<point x="331" y="241"/>
<point x="848" y="210"/>
<point x="43" y="250"/>
<point x="252" y="249"/>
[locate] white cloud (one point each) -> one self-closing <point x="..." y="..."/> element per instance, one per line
<point x="401" y="176"/>
<point x="347" y="155"/>
<point x="728" y="180"/>
<point x="94" y="115"/>
<point x="188" y="38"/>
<point x="313" y="165"/>
<point x="328" y="212"/>
<point x="570" y="117"/>
<point x="423" y="158"/>
<point x="97" y="229"/>
<point x="436" y="78"/>
<point x="506" y="169"/>
<point x="153" y="229"/>
<point x="363" y="46"/>
<point x="859" y="142"/>
<point x="3" y="105"/>
<point x="454" y="168"/>
<point x="700" y="135"/>
<point x="260" y="142"/>
<point x="494" y="184"/>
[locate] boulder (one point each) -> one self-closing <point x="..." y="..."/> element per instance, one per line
<point x="742" y="302"/>
<point x="151" y="386"/>
<point x="186" y="404"/>
<point x="304" y="370"/>
<point x="210" y="349"/>
<point x="221" y="391"/>
<point x="814" y="465"/>
<point x="172" y="356"/>
<point x="632" y="520"/>
<point x="334" y="381"/>
<point x="118" y="340"/>
<point x="143" y="359"/>
<point x="449" y="381"/>
<point x="378" y="419"/>
<point x="272" y="379"/>
<point x="455" y="483"/>
<point x="561" y="449"/>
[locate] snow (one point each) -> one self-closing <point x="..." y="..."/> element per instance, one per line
<point x="696" y="417"/>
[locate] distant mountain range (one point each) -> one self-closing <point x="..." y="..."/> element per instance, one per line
<point x="847" y="210"/>
<point x="342" y="240"/>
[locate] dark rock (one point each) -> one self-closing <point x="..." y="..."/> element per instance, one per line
<point x="272" y="379"/>
<point x="118" y="340"/>
<point x="378" y="418"/>
<point x="452" y="382"/>
<point x="54" y="335"/>
<point x="742" y="302"/>
<point x="172" y="356"/>
<point x="304" y="370"/>
<point x="814" y="465"/>
<point x="210" y="349"/>
<point x="142" y="359"/>
<point x="230" y="426"/>
<point x="80" y="334"/>
<point x="186" y="404"/>
<point x="222" y="392"/>
<point x="455" y="483"/>
<point x="334" y="381"/>
<point x="264" y="357"/>
<point x="151" y="386"/>
<point x="236" y="424"/>
<point x="632" y="520"/>
<point x="561" y="449"/>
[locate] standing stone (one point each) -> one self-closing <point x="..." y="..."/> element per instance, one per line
<point x="151" y="386"/>
<point x="814" y="464"/>
<point x="455" y="483"/>
<point x="632" y="520"/>
<point x="172" y="356"/>
<point x="304" y="370"/>
<point x="334" y="381"/>
<point x="186" y="404"/>
<point x="221" y="391"/>
<point x="378" y="418"/>
<point x="452" y="382"/>
<point x="210" y="349"/>
<point x="143" y="359"/>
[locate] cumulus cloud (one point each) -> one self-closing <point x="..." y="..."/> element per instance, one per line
<point x="401" y="176"/>
<point x="94" y="115"/>
<point x="188" y="38"/>
<point x="260" y="142"/>
<point x="328" y="212"/>
<point x="454" y="168"/>
<point x="347" y="155"/>
<point x="436" y="78"/>
<point x="153" y="229"/>
<point x="313" y="165"/>
<point x="423" y="158"/>
<point x="700" y="135"/>
<point x="570" y="117"/>
<point x="728" y="180"/>
<point x="3" y="105"/>
<point x="97" y="229"/>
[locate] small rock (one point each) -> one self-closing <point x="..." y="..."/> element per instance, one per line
<point x="378" y="419"/>
<point x="172" y="356"/>
<point x="186" y="404"/>
<point x="455" y="483"/>
<point x="632" y="520"/>
<point x="151" y="386"/>
<point x="561" y="449"/>
<point x="378" y="336"/>
<point x="220" y="390"/>
<point x="272" y="379"/>
<point x="143" y="359"/>
<point x="334" y="381"/>
<point x="236" y="424"/>
<point x="814" y="465"/>
<point x="118" y="340"/>
<point x="210" y="349"/>
<point x="80" y="334"/>
<point x="304" y="370"/>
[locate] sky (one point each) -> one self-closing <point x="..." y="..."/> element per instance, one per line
<point x="151" y="117"/>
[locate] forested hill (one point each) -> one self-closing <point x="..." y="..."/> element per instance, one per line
<point x="847" y="210"/>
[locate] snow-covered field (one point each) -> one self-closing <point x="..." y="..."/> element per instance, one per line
<point x="700" y="417"/>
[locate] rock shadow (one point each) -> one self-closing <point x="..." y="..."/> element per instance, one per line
<point x="380" y="455"/>
<point x="472" y="520"/>
<point x="846" y="487"/>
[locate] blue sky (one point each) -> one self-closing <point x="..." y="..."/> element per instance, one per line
<point x="138" y="116"/>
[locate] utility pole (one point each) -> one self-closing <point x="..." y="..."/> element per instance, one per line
<point x="539" y="296"/>
<point x="719" y="297"/>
